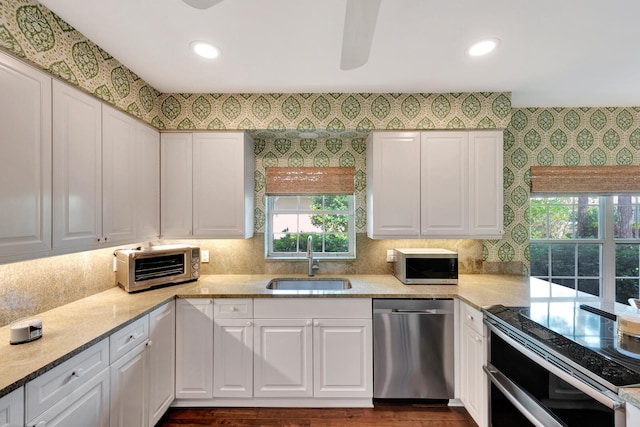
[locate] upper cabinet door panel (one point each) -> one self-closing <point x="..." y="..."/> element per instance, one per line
<point x="486" y="183"/>
<point x="118" y="176"/>
<point x="77" y="168"/>
<point x="444" y="183"/>
<point x="25" y="158"/>
<point x="222" y="185"/>
<point x="176" y="161"/>
<point x="148" y="182"/>
<point x="393" y="185"/>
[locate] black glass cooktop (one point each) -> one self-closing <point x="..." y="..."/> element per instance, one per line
<point x="584" y="337"/>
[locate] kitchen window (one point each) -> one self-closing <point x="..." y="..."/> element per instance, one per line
<point x="587" y="243"/>
<point x="328" y="219"/>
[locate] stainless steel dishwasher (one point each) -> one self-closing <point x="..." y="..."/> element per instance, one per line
<point x="413" y="349"/>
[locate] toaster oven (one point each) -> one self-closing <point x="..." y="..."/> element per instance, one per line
<point x="143" y="268"/>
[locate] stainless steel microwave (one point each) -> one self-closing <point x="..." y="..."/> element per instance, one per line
<point x="143" y="268"/>
<point x="426" y="266"/>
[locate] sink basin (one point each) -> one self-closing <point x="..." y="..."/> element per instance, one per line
<point x="309" y="284"/>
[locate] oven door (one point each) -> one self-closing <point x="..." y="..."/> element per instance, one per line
<point x="528" y="389"/>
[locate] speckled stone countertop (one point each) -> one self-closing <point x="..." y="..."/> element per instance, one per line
<point x="71" y="328"/>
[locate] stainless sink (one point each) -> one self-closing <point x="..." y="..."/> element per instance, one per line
<point x="308" y="284"/>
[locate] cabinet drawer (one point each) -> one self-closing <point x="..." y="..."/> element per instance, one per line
<point x="233" y="308"/>
<point x="472" y="318"/>
<point x="127" y="338"/>
<point x="53" y="386"/>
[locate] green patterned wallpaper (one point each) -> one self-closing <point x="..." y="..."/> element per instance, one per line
<point x="557" y="137"/>
<point x="32" y="32"/>
<point x="333" y="113"/>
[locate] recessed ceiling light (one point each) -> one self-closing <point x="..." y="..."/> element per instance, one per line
<point x="483" y="47"/>
<point x="204" y="49"/>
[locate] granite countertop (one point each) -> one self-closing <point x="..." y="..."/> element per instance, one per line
<point x="71" y="328"/>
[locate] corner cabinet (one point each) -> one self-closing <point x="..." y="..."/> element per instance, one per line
<point x="25" y="158"/>
<point x="435" y="184"/>
<point x="207" y="185"/>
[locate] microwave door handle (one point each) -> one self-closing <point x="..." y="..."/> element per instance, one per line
<point x="535" y="413"/>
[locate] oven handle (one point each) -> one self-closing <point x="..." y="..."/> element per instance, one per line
<point x="534" y="412"/>
<point x="604" y="396"/>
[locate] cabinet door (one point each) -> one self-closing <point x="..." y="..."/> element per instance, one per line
<point x="12" y="408"/>
<point x="77" y="168"/>
<point x="25" y="158"/>
<point x="148" y="183"/>
<point x="194" y="348"/>
<point x="393" y="185"/>
<point x="223" y="185"/>
<point x="283" y="360"/>
<point x="445" y="184"/>
<point x="128" y="403"/>
<point x="485" y="184"/>
<point x="233" y="358"/>
<point x="473" y="385"/>
<point x="342" y="362"/>
<point x="118" y="176"/>
<point x="162" y="367"/>
<point x="176" y="197"/>
<point x="85" y="406"/>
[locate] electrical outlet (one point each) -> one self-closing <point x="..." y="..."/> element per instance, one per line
<point x="391" y="255"/>
<point x="204" y="256"/>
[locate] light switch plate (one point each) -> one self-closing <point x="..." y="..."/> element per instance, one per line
<point x="204" y="256"/>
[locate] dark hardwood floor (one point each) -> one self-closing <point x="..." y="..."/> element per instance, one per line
<point x="382" y="415"/>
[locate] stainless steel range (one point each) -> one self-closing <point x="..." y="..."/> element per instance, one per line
<point x="556" y="364"/>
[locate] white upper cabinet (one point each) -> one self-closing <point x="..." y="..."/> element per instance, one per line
<point x="444" y="183"/>
<point x="223" y="165"/>
<point x="457" y="192"/>
<point x="176" y="195"/>
<point x="77" y="168"/>
<point x="118" y="176"/>
<point x="486" y="183"/>
<point x="148" y="183"/>
<point x="207" y="185"/>
<point x="25" y="158"/>
<point x="393" y="185"/>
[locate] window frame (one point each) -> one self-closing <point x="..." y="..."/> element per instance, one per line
<point x="608" y="242"/>
<point x="269" y="232"/>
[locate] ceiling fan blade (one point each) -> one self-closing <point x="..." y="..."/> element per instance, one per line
<point x="202" y="4"/>
<point x="359" y="26"/>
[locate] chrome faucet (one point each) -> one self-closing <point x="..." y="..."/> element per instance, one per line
<point x="313" y="264"/>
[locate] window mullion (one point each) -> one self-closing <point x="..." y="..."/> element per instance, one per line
<point x="608" y="252"/>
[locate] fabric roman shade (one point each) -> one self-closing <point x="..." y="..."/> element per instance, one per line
<point x="310" y="181"/>
<point x="585" y="179"/>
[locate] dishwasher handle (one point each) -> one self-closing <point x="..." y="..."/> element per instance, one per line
<point x="409" y="311"/>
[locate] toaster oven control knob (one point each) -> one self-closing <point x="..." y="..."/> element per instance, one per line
<point x="195" y="274"/>
<point x="195" y="266"/>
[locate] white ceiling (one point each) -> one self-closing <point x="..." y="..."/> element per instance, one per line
<point x="553" y="53"/>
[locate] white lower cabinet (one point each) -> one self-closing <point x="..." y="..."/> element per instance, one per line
<point x="283" y="358"/>
<point x="633" y="415"/>
<point x="12" y="408"/>
<point x="128" y="405"/>
<point x="194" y="348"/>
<point x="343" y="362"/>
<point x="74" y="393"/>
<point x="162" y="360"/>
<point x="473" y="386"/>
<point x="233" y="358"/>
<point x="274" y="352"/>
